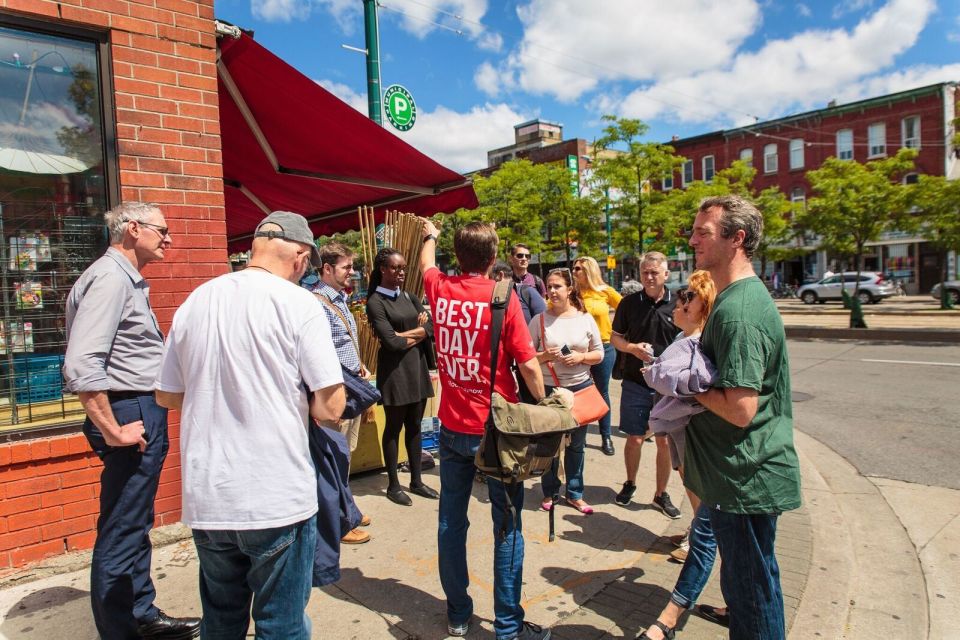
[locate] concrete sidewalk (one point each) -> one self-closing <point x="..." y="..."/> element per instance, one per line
<point x="606" y="576"/>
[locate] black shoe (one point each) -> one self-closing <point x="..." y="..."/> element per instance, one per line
<point x="399" y="497"/>
<point x="607" y="447"/>
<point x="663" y="501"/>
<point x="169" y="628"/>
<point x="424" y="491"/>
<point x="626" y="493"/>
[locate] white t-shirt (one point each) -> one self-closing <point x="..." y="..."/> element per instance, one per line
<point x="579" y="332"/>
<point x="241" y="348"/>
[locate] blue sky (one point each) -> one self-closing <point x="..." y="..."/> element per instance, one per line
<point x="478" y="67"/>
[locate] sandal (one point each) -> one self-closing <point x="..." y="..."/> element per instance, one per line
<point x="713" y="614"/>
<point x="547" y="504"/>
<point x="668" y="632"/>
<point x="580" y="506"/>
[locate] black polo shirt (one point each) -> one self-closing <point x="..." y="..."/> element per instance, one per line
<point x="641" y="319"/>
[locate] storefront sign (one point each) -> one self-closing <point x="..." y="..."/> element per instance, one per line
<point x="400" y="107"/>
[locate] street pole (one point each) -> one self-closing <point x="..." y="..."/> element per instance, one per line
<point x="371" y="30"/>
<point x="606" y="211"/>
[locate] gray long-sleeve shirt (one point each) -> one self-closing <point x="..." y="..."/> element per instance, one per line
<point x="678" y="374"/>
<point x="113" y="340"/>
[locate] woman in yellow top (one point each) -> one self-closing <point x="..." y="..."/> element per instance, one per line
<point x="599" y="299"/>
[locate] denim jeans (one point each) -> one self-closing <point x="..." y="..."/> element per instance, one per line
<point x="699" y="563"/>
<point x="573" y="458"/>
<point x="749" y="574"/>
<point x="270" y="566"/>
<point x="601" y="377"/>
<point x="457" y="471"/>
<point x="636" y="401"/>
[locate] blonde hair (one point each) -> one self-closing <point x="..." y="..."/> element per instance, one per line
<point x="702" y="284"/>
<point x="592" y="272"/>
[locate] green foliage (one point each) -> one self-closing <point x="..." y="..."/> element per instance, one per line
<point x="938" y="200"/>
<point x="352" y="240"/>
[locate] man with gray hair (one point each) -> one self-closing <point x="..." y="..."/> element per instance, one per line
<point x="740" y="459"/>
<point x="113" y="354"/>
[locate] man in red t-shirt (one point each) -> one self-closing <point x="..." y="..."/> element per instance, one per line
<point x="461" y="321"/>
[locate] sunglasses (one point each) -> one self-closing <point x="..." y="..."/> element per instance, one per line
<point x="522" y="256"/>
<point x="578" y="268"/>
<point x="163" y="231"/>
<point x="559" y="270"/>
<point x="686" y="297"/>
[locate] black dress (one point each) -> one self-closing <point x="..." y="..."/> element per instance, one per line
<point x="403" y="373"/>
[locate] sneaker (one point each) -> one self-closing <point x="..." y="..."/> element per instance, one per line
<point x="663" y="501"/>
<point x="680" y="540"/>
<point x="679" y="555"/>
<point x="626" y="493"/>
<point x="531" y="631"/>
<point x="355" y="536"/>
<point x="458" y="630"/>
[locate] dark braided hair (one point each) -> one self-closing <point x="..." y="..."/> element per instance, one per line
<point x="574" y="298"/>
<point x="378" y="263"/>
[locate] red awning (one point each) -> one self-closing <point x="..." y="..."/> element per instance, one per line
<point x="289" y="144"/>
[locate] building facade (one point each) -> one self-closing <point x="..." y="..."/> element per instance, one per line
<point x="783" y="150"/>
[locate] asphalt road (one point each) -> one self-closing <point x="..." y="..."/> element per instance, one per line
<point x="892" y="410"/>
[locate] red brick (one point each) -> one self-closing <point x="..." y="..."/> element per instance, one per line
<point x="211" y="126"/>
<point x="66" y="496"/>
<point x="153" y="74"/>
<point x="33" y="553"/>
<point x="135" y="56"/>
<point x="184" y="124"/>
<point x="62" y="465"/>
<point x="136" y="87"/>
<point x="203" y="169"/>
<point x="19" y="538"/>
<point x="138" y="118"/>
<point x="123" y="101"/>
<point x="82" y="508"/>
<point x="138" y="179"/>
<point x="134" y="25"/>
<point x="210" y="97"/>
<point x="184" y="153"/>
<point x="118" y="7"/>
<point x="186" y="182"/>
<point x="158" y="105"/>
<point x="191" y="139"/>
<point x="34" y="519"/>
<point x="5" y="560"/>
<point x="206" y="11"/>
<point x="90" y="475"/>
<point x="161" y="195"/>
<point x="59" y="447"/>
<point x="40" y="450"/>
<point x="31" y="486"/>
<point x="148" y="149"/>
<point x="175" y="63"/>
<point x="78" y="443"/>
<point x="3" y="525"/>
<point x="160" y="165"/>
<point x="20" y="452"/>
<point x="5" y="456"/>
<point x="179" y="35"/>
<point x="199" y="111"/>
<point x="178" y="6"/>
<point x="83" y="540"/>
<point x="170" y="517"/>
<point x="42" y="7"/>
<point x="152" y="44"/>
<point x="19" y="505"/>
<point x="86" y="16"/>
<point x="130" y="193"/>
<point x="169" y="490"/>
<point x="166" y="505"/>
<point x="122" y="69"/>
<point x="67" y="527"/>
<point x="206" y="83"/>
<point x="205" y="197"/>
<point x="189" y="22"/>
<point x="165" y="136"/>
<point x="181" y="95"/>
<point x="158" y="16"/>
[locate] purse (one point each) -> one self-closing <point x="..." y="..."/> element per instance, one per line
<point x="361" y="394"/>
<point x="588" y="405"/>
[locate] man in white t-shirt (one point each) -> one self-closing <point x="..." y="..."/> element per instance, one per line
<point x="243" y="356"/>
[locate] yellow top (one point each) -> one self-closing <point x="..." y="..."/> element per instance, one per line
<point x="598" y="305"/>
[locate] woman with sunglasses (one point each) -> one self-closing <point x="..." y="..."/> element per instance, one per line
<point x="403" y="375"/>
<point x="679" y="373"/>
<point x="568" y="343"/>
<point x="599" y="299"/>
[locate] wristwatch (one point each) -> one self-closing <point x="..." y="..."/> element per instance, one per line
<point x="429" y="236"/>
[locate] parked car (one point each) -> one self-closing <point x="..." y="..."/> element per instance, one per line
<point x="953" y="289"/>
<point x="873" y="288"/>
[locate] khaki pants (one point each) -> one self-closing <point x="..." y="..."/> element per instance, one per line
<point x="350" y="429"/>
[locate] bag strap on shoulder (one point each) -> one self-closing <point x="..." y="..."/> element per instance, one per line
<point x="498" y="310"/>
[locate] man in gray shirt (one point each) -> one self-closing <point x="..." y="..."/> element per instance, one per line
<point x="114" y="346"/>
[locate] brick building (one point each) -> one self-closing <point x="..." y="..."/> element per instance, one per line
<point x="783" y="150"/>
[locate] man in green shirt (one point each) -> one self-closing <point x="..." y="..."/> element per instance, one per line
<point x="740" y="459"/>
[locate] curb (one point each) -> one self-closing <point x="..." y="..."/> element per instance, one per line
<point x="948" y="336"/>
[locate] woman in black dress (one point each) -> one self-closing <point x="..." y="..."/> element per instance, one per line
<point x="403" y="375"/>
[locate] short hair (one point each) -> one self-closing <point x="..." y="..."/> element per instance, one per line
<point x="737" y="214"/>
<point x="654" y="256"/>
<point x="116" y="219"/>
<point x="518" y="245"/>
<point x="502" y="267"/>
<point x="592" y="270"/>
<point x="701" y="283"/>
<point x="332" y="252"/>
<point x="475" y="245"/>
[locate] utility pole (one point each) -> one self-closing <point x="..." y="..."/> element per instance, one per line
<point x="371" y="28"/>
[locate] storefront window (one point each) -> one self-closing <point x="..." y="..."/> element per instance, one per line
<point x="53" y="193"/>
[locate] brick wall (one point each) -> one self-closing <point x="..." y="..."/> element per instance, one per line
<point x="168" y="139"/>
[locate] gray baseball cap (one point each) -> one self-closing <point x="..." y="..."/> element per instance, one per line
<point x="294" y="227"/>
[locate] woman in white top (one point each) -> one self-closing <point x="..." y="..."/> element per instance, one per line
<point x="568" y="343"/>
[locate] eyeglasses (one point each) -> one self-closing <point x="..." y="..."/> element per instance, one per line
<point x="686" y="297"/>
<point x="522" y="256"/>
<point x="163" y="231"/>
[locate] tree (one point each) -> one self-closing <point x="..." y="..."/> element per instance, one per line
<point x="625" y="168"/>
<point x="854" y="203"/>
<point x="938" y="200"/>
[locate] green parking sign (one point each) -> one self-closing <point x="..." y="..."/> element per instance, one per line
<point x="400" y="107"/>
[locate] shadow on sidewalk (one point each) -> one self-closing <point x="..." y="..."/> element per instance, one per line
<point x="48" y="613"/>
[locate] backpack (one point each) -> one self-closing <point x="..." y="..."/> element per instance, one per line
<point x="519" y="441"/>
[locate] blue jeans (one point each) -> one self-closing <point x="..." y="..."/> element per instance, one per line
<point x="636" y="401"/>
<point x="572" y="460"/>
<point x="699" y="563"/>
<point x="457" y="471"/>
<point x="270" y="566"/>
<point x="601" y="377"/>
<point x="749" y="574"/>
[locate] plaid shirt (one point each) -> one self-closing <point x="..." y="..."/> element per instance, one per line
<point x="342" y="342"/>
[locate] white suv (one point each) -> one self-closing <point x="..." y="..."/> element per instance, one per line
<point x="873" y="288"/>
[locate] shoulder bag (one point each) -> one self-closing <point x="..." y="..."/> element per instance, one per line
<point x="588" y="405"/>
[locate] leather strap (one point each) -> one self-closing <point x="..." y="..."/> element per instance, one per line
<point x="543" y="343"/>
<point x="325" y="300"/>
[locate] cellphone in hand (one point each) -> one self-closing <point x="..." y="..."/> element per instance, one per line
<point x="565" y="350"/>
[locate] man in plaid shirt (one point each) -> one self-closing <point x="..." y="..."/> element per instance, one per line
<point x="336" y="272"/>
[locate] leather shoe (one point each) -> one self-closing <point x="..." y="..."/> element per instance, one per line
<point x="365" y="521"/>
<point x="607" y="447"/>
<point x="399" y="497"/>
<point x="170" y="628"/>
<point x="424" y="491"/>
<point x="355" y="536"/>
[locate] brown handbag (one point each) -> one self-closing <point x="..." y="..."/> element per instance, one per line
<point x="588" y="405"/>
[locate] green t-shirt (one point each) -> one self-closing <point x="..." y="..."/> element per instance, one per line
<point x="751" y="470"/>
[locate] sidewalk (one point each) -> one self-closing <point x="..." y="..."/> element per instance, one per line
<point x="606" y="576"/>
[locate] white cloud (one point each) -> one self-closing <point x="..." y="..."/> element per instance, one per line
<point x="458" y="141"/>
<point x="804" y="10"/>
<point x="345" y="12"/>
<point x="803" y="71"/>
<point x="490" y="41"/>
<point x="850" y="6"/>
<point x="422" y="17"/>
<point x="488" y="79"/>
<point x="570" y="46"/>
<point x="919" y="76"/>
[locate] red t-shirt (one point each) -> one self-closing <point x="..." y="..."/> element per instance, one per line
<point x="461" y="329"/>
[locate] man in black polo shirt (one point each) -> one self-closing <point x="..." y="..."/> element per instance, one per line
<point x="642" y="329"/>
